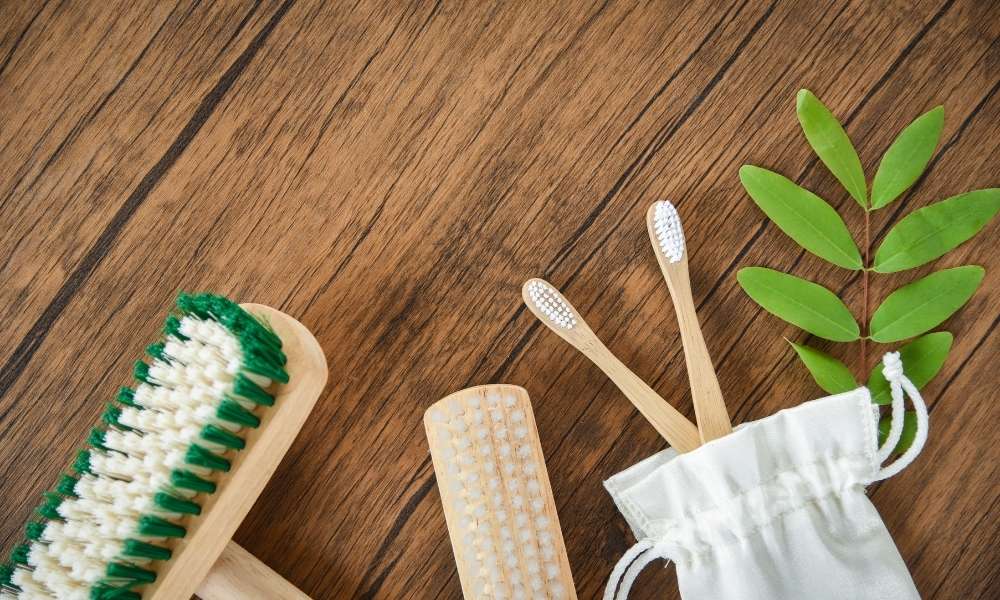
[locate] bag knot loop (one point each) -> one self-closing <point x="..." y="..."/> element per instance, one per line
<point x="892" y="367"/>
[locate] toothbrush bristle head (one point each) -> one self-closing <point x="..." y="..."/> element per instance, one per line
<point x="551" y="304"/>
<point x="669" y="233"/>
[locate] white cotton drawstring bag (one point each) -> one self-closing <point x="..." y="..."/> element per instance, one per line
<point x="776" y="510"/>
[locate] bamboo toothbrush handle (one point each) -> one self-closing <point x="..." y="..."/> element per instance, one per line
<point x="709" y="405"/>
<point x="238" y="575"/>
<point x="667" y="420"/>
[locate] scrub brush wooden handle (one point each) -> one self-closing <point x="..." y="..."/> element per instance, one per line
<point x="667" y="236"/>
<point x="239" y="575"/>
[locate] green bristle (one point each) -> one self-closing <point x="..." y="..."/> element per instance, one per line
<point x="141" y="372"/>
<point x="50" y="507"/>
<point x="111" y="415"/>
<point x="244" y="387"/>
<point x="155" y="527"/>
<point x="172" y="328"/>
<point x="176" y="505"/>
<point x="264" y="365"/>
<point x="139" y="549"/>
<point x="255" y="334"/>
<point x="255" y="328"/>
<point x="216" y="308"/>
<point x="260" y="345"/>
<point x="230" y="410"/>
<point x="126" y="396"/>
<point x="67" y="485"/>
<point x="189" y="481"/>
<point x="96" y="438"/>
<point x="130" y="573"/>
<point x="223" y="437"/>
<point x="48" y="512"/>
<point x="195" y="304"/>
<point x="82" y="463"/>
<point x="107" y="592"/>
<point x="199" y="456"/>
<point x="33" y="531"/>
<point x="7" y="575"/>
<point x="155" y="350"/>
<point x="19" y="555"/>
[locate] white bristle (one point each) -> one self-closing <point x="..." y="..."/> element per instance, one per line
<point x="551" y="304"/>
<point x="490" y="479"/>
<point x="669" y="233"/>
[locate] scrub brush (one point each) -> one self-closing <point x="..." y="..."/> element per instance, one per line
<point x="154" y="498"/>
<point x="496" y="495"/>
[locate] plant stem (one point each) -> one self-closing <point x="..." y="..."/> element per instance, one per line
<point x="864" y="292"/>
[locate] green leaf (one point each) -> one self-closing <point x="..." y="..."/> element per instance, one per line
<point x="830" y="374"/>
<point x="930" y="232"/>
<point x="924" y="304"/>
<point x="907" y="157"/>
<point x="802" y="303"/>
<point x="803" y="215"/>
<point x="830" y="141"/>
<point x="922" y="359"/>
<point x="909" y="430"/>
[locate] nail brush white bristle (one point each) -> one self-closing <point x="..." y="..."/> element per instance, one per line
<point x="669" y="232"/>
<point x="498" y="503"/>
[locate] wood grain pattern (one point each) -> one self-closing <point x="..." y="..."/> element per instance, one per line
<point x="679" y="431"/>
<point x="389" y="173"/>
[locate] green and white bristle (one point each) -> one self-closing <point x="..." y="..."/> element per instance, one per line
<point x="160" y="449"/>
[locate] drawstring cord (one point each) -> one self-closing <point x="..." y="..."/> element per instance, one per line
<point x="892" y="369"/>
<point x="630" y="565"/>
<point x="646" y="551"/>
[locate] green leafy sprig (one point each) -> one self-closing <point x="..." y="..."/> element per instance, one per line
<point x="909" y="313"/>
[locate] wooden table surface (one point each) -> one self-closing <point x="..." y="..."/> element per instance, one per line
<point x="390" y="173"/>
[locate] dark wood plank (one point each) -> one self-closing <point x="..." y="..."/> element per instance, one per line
<point x="391" y="173"/>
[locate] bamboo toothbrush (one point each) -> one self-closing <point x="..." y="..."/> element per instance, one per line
<point x="180" y="459"/>
<point x="558" y="314"/>
<point x="497" y="500"/>
<point x="667" y="235"/>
